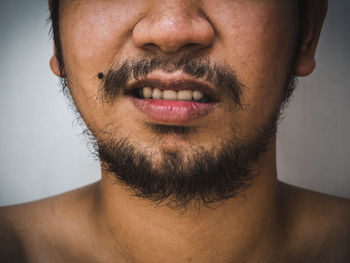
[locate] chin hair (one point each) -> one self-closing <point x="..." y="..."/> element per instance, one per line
<point x="183" y="179"/>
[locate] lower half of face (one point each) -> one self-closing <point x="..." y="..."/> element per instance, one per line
<point x="183" y="150"/>
<point x="190" y="125"/>
<point x="159" y="120"/>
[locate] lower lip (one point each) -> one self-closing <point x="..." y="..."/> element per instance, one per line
<point x="176" y="112"/>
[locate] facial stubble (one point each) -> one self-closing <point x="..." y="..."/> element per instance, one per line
<point x="192" y="175"/>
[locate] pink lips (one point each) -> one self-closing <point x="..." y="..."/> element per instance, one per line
<point x="175" y="112"/>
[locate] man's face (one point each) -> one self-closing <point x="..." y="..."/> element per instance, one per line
<point x="244" y="48"/>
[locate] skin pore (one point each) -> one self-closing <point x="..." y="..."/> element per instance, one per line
<point x="261" y="42"/>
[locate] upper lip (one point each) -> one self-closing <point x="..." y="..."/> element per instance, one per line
<point x="175" y="84"/>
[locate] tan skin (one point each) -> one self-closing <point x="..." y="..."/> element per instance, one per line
<point x="104" y="222"/>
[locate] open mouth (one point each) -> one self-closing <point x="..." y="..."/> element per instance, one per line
<point x="174" y="95"/>
<point x="179" y="90"/>
<point x="175" y="102"/>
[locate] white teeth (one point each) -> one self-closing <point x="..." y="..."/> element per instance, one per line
<point x="147" y="92"/>
<point x="184" y="95"/>
<point x="197" y="95"/>
<point x="169" y="95"/>
<point x="157" y="94"/>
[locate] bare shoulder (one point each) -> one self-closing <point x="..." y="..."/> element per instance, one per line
<point x="10" y="244"/>
<point x="319" y="223"/>
<point x="26" y="230"/>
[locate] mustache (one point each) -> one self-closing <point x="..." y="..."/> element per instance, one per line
<point x="218" y="75"/>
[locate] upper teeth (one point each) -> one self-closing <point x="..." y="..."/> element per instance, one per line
<point x="149" y="93"/>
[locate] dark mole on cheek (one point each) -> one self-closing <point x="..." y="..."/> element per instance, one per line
<point x="100" y="75"/>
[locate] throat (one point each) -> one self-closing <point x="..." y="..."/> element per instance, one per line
<point x="229" y="229"/>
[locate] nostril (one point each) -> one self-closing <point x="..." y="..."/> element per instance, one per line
<point x="150" y="46"/>
<point x="173" y="32"/>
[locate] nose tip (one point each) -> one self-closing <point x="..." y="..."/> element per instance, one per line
<point x="173" y="32"/>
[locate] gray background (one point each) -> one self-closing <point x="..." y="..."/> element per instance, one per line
<point x="42" y="153"/>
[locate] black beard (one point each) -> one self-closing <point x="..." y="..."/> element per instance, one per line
<point x="201" y="177"/>
<point x="204" y="177"/>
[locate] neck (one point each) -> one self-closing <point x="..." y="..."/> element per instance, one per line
<point x="240" y="228"/>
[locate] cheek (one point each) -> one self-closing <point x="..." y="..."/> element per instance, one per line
<point x="93" y="33"/>
<point x="259" y="44"/>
